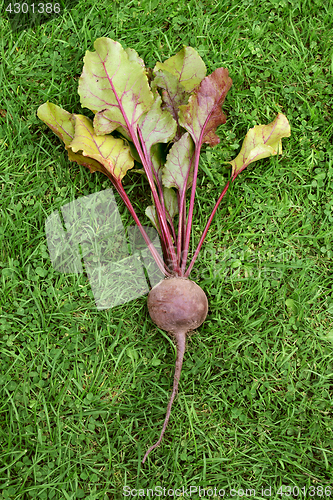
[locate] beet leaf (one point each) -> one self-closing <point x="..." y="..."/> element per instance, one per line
<point x="260" y="142"/>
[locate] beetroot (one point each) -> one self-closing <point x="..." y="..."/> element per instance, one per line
<point x="161" y="119"/>
<point x="178" y="306"/>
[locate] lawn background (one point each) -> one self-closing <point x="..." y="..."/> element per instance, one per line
<point x="83" y="392"/>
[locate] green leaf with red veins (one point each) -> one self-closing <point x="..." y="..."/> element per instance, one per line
<point x="158" y="158"/>
<point x="177" y="165"/>
<point x="114" y="85"/>
<point x="103" y="124"/>
<point x="62" y="124"/>
<point x="203" y="113"/>
<point x="157" y="125"/>
<point x="187" y="66"/>
<point x="111" y="153"/>
<point x="152" y="216"/>
<point x="260" y="142"/>
<point x="170" y="201"/>
<point x="134" y="56"/>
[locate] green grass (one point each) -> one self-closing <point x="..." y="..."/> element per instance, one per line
<point x="83" y="393"/>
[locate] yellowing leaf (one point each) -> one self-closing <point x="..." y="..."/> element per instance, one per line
<point x="58" y="119"/>
<point x="187" y="66"/>
<point x="260" y="142"/>
<point x="111" y="153"/>
<point x="61" y="123"/>
<point x="85" y="161"/>
<point x="114" y="84"/>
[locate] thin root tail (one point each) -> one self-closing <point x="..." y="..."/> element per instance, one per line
<point x="181" y="341"/>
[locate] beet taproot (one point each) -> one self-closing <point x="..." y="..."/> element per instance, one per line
<point x="178" y="306"/>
